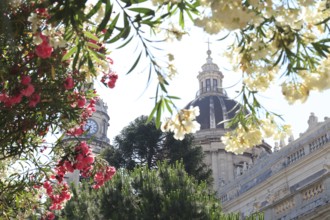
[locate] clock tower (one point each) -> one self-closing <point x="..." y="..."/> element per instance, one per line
<point x="97" y="127"/>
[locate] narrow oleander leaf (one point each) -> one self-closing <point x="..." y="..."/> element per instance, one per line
<point x="135" y="64"/>
<point x="173" y="97"/>
<point x="167" y="105"/>
<point x="117" y="37"/>
<point x="159" y="113"/>
<point x="145" y="11"/>
<point x="53" y="72"/>
<point x="69" y="53"/>
<point x="222" y="38"/>
<point x="94" y="10"/>
<point x="181" y="19"/>
<point x="105" y="20"/>
<point x="95" y="46"/>
<point x="75" y="59"/>
<point x="151" y="115"/>
<point x="125" y="43"/>
<point x="111" y="28"/>
<point x="91" y="36"/>
<point x="162" y="86"/>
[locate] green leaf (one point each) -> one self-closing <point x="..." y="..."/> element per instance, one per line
<point x="135" y="63"/>
<point x="224" y="37"/>
<point x="168" y="106"/>
<point x="91" y="36"/>
<point x="94" y="10"/>
<point x="151" y="115"/>
<point x="173" y="97"/>
<point x="95" y="46"/>
<point x="69" y="53"/>
<point x="126" y="42"/>
<point x="181" y="19"/>
<point x="108" y="12"/>
<point x="111" y="28"/>
<point x="159" y="113"/>
<point x="162" y="86"/>
<point x="145" y="11"/>
<point x="75" y="59"/>
<point x="117" y="37"/>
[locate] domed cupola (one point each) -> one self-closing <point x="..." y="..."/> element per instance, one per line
<point x="211" y="98"/>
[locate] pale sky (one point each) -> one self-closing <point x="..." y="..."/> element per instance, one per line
<point x="129" y="100"/>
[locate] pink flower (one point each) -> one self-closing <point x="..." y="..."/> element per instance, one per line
<point x="28" y="90"/>
<point x="111" y="84"/>
<point x="99" y="177"/>
<point x="3" y="97"/>
<point x="44" y="50"/>
<point x="75" y="131"/>
<point x="68" y="166"/>
<point x="15" y="99"/>
<point x="88" y="160"/>
<point x="50" y="216"/>
<point x="84" y="148"/>
<point x="25" y="80"/>
<point x="34" y="100"/>
<point x="81" y="102"/>
<point x="68" y="84"/>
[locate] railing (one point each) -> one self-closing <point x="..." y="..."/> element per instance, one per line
<point x="318" y="142"/>
<point x="296" y="155"/>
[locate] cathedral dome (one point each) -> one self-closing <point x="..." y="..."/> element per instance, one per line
<point x="214" y="108"/>
<point x="212" y="100"/>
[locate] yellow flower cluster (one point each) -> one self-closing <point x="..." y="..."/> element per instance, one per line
<point x="295" y="91"/>
<point x="318" y="80"/>
<point x="183" y="123"/>
<point x="257" y="55"/>
<point x="226" y="14"/>
<point x="243" y="138"/>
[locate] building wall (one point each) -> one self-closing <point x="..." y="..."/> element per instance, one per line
<point x="293" y="183"/>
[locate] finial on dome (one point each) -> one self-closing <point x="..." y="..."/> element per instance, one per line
<point x="209" y="59"/>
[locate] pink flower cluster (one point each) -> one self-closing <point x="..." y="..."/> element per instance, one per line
<point x="25" y="90"/>
<point x="102" y="176"/>
<point x="49" y="216"/>
<point x="89" y="109"/>
<point x="109" y="79"/>
<point x="78" y="100"/>
<point x="83" y="162"/>
<point x="44" y="50"/>
<point x="58" y="195"/>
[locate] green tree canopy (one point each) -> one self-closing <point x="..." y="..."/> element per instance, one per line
<point x="164" y="193"/>
<point x="142" y="144"/>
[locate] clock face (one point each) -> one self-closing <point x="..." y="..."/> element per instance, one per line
<point x="91" y="127"/>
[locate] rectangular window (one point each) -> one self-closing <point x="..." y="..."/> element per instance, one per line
<point x="215" y="85"/>
<point x="208" y="84"/>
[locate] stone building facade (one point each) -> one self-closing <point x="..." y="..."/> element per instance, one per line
<point x="285" y="182"/>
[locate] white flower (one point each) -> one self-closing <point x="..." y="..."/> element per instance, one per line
<point x="57" y="42"/>
<point x="37" y="39"/>
<point x="183" y="123"/>
<point x="33" y="18"/>
<point x="294" y="92"/>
